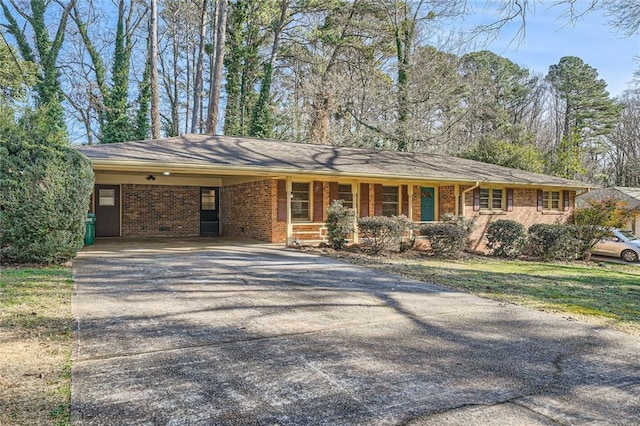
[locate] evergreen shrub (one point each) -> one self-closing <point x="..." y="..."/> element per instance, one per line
<point x="45" y="187"/>
<point x="445" y="239"/>
<point x="340" y="223"/>
<point x="554" y="241"/>
<point x="380" y="233"/>
<point x="506" y="238"/>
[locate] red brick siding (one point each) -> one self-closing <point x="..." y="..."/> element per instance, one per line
<point x="446" y="200"/>
<point x="525" y="211"/>
<point x="250" y="210"/>
<point x="416" y="202"/>
<point x="160" y="211"/>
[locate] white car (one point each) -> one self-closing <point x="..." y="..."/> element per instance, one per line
<point x="620" y="243"/>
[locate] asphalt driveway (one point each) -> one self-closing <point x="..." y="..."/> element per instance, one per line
<point x="220" y="332"/>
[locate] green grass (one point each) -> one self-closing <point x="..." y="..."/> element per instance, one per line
<point x="36" y="328"/>
<point x="607" y="293"/>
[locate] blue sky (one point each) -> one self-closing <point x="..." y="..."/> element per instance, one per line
<point x="549" y="37"/>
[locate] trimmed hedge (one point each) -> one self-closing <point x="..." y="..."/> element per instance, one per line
<point x="44" y="197"/>
<point x="506" y="238"/>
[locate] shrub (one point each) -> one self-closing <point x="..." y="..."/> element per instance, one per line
<point x="445" y="239"/>
<point x="340" y="223"/>
<point x="505" y="238"/>
<point x="465" y="223"/>
<point x="44" y="196"/>
<point x="554" y="242"/>
<point x="381" y="232"/>
<point x="593" y="222"/>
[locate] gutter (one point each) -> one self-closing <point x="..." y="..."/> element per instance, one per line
<point x="226" y="169"/>
<point x="462" y="195"/>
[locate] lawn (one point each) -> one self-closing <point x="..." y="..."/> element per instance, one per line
<point x="35" y="343"/>
<point x="600" y="293"/>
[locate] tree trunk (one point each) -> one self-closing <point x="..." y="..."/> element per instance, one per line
<point x="153" y="58"/>
<point x="198" y="86"/>
<point x="261" y="125"/>
<point x="216" y="78"/>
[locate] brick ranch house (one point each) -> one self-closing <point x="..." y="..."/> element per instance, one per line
<point x="274" y="191"/>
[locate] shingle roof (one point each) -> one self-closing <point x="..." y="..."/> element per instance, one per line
<point x="630" y="195"/>
<point x="257" y="154"/>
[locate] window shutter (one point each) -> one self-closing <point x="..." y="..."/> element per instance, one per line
<point x="539" y="200"/>
<point x="333" y="191"/>
<point x="565" y="200"/>
<point x="476" y="200"/>
<point x="318" y="210"/>
<point x="405" y="200"/>
<point x="377" y="199"/>
<point x="364" y="199"/>
<point x="282" y="201"/>
<point x="509" y="199"/>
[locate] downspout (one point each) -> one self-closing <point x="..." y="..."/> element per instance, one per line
<point x="462" y="197"/>
<point x="289" y="221"/>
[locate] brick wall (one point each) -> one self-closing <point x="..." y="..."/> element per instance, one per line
<point x="446" y="200"/>
<point x="160" y="211"/>
<point x="416" y="205"/>
<point x="250" y="210"/>
<point x="525" y="211"/>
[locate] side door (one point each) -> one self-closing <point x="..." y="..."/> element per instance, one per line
<point x="209" y="204"/>
<point x="107" y="210"/>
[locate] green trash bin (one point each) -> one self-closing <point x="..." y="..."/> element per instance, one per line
<point x="90" y="229"/>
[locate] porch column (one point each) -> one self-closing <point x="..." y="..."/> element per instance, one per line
<point x="356" y="207"/>
<point x="410" y="201"/>
<point x="456" y="196"/>
<point x="289" y="222"/>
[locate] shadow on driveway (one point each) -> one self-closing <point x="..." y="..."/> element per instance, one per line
<point x="222" y="332"/>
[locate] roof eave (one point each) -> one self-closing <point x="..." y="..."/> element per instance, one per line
<point x="211" y="169"/>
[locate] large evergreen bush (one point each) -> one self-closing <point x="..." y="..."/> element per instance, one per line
<point x="554" y="241"/>
<point x="44" y="193"/>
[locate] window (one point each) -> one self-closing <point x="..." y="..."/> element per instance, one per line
<point x="389" y="200"/>
<point x="207" y="199"/>
<point x="107" y="197"/>
<point x="345" y="194"/>
<point x="491" y="199"/>
<point x="300" y="201"/>
<point x="550" y="200"/>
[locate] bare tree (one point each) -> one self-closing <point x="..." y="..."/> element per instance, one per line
<point x="153" y="60"/>
<point x="198" y="85"/>
<point x="218" y="60"/>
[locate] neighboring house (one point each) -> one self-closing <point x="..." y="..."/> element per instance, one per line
<point x="631" y="196"/>
<point x="278" y="191"/>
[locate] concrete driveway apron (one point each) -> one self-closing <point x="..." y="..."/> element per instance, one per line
<point x="194" y="332"/>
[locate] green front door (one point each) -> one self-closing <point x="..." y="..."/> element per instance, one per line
<point x="427" y="204"/>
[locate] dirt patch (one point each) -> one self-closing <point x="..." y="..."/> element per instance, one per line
<point x="35" y="342"/>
